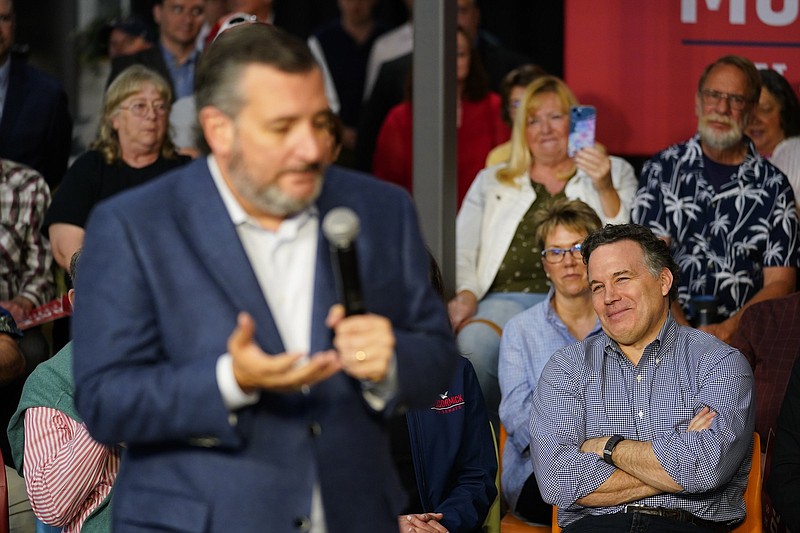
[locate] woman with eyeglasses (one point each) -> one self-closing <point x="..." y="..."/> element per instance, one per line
<point x="566" y="316"/>
<point x="775" y="126"/>
<point x="131" y="148"/>
<point x="498" y="271"/>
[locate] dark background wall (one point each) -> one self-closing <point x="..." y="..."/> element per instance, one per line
<point x="532" y="27"/>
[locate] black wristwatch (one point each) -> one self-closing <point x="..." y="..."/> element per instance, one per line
<point x="608" y="449"/>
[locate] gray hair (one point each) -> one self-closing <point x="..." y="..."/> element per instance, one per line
<point x="219" y="73"/>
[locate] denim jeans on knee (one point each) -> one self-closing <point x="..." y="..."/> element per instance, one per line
<point x="480" y="343"/>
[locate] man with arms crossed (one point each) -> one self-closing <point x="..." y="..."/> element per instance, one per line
<point x="208" y="338"/>
<point x="647" y="425"/>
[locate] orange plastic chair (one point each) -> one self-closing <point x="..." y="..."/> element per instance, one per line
<point x="510" y="523"/>
<point x="753" y="522"/>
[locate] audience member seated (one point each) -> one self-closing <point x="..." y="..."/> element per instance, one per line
<point x="68" y="475"/>
<point x="183" y="123"/>
<point x="35" y="125"/>
<point x="16" y="364"/>
<point x="342" y="47"/>
<point x="512" y="89"/>
<point x="132" y="147"/>
<point x="26" y="277"/>
<point x="775" y="127"/>
<point x="386" y="76"/>
<point x="647" y="426"/>
<point x="175" y="55"/>
<point x="497" y="59"/>
<point x="498" y="271"/>
<point x="388" y="47"/>
<point x="389" y="90"/>
<point x="783" y="483"/>
<point x="478" y="119"/>
<point x="769" y="337"/>
<point x="728" y="215"/>
<point x="531" y="337"/>
<point x="445" y="455"/>
<point x="26" y="280"/>
<point x="127" y="36"/>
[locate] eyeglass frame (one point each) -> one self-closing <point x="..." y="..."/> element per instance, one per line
<point x="160" y="109"/>
<point x="561" y="253"/>
<point x="737" y="102"/>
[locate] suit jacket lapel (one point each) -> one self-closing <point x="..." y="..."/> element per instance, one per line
<point x="324" y="283"/>
<point x="208" y="226"/>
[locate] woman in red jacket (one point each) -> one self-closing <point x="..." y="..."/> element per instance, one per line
<point x="480" y="127"/>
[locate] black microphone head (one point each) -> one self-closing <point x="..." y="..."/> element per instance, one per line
<point x="341" y="226"/>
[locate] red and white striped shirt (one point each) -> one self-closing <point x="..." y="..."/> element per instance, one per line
<point x="67" y="473"/>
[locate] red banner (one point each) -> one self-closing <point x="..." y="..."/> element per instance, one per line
<point x="638" y="62"/>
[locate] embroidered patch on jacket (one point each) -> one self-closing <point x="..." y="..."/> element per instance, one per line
<point x="447" y="404"/>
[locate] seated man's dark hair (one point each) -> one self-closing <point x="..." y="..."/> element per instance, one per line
<point x="656" y="252"/>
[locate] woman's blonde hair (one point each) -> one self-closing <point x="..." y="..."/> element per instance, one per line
<point x="520" y="160"/>
<point x="129" y="82"/>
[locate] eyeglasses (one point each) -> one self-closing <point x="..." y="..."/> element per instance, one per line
<point x="712" y="97"/>
<point x="139" y="109"/>
<point x="556" y="255"/>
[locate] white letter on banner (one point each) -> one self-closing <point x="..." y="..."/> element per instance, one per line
<point x="689" y="10"/>
<point x="783" y="17"/>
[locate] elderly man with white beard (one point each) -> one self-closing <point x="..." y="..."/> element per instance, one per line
<point x="728" y="214"/>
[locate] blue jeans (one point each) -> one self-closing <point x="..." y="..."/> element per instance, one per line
<point x="43" y="528"/>
<point x="481" y="344"/>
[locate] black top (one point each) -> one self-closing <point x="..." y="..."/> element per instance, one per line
<point x="719" y="174"/>
<point x="347" y="64"/>
<point x="90" y="179"/>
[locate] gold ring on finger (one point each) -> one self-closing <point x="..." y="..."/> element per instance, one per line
<point x="361" y="356"/>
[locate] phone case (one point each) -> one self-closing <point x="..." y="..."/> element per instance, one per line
<point x="582" y="120"/>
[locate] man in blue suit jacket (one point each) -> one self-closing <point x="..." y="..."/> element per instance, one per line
<point x="208" y="338"/>
<point x="35" y="125"/>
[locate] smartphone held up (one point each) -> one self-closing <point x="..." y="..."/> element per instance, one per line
<point x="582" y="120"/>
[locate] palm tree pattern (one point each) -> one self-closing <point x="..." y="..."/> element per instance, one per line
<point x="721" y="239"/>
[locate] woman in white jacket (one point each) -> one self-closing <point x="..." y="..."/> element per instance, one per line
<point x="498" y="267"/>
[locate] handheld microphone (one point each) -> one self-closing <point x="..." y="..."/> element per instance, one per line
<point x="341" y="227"/>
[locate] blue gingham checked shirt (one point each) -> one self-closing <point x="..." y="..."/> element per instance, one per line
<point x="590" y="389"/>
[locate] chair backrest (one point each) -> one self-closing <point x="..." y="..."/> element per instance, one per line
<point x="753" y="522"/>
<point x="510" y="523"/>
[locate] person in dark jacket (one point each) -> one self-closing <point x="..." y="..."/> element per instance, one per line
<point x="445" y="455"/>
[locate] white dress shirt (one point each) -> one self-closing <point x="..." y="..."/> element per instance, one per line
<point x="283" y="262"/>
